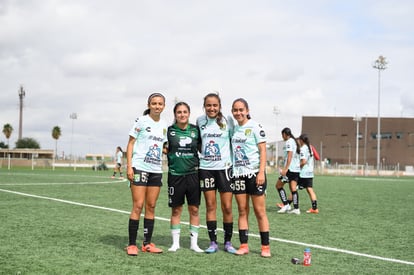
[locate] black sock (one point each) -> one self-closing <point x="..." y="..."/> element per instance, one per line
<point x="212" y="230"/>
<point x="148" y="229"/>
<point x="228" y="231"/>
<point x="243" y="235"/>
<point x="282" y="195"/>
<point x="264" y="237"/>
<point x="314" y="205"/>
<point x="295" y="197"/>
<point x="133" y="226"/>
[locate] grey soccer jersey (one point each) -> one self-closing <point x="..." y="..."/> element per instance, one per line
<point x="150" y="137"/>
<point x="215" y="143"/>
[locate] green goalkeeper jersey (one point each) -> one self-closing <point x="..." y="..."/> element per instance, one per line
<point x="183" y="149"/>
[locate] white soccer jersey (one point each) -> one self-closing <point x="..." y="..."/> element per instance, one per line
<point x="307" y="169"/>
<point x="215" y="143"/>
<point x="290" y="145"/>
<point x="119" y="155"/>
<point x="150" y="137"/>
<point x="246" y="156"/>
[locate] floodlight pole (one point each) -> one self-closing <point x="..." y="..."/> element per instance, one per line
<point x="380" y="64"/>
<point x="22" y="94"/>
<point x="72" y="116"/>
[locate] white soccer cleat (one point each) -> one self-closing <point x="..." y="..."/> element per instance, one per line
<point x="197" y="249"/>
<point x="294" y="211"/>
<point x="284" y="209"/>
<point x="174" y="248"/>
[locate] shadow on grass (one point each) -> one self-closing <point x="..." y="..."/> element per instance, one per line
<point x="163" y="241"/>
<point x="121" y="241"/>
<point x="118" y="241"/>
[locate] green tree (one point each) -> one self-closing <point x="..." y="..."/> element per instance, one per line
<point x="3" y="145"/>
<point x="56" y="133"/>
<point x="27" y="143"/>
<point x="7" y="131"/>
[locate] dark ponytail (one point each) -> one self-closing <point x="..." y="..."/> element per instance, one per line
<point x="288" y="132"/>
<point x="305" y="139"/>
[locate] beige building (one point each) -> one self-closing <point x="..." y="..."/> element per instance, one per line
<point x="335" y="139"/>
<point x="26" y="157"/>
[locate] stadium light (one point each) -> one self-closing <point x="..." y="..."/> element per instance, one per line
<point x="380" y="64"/>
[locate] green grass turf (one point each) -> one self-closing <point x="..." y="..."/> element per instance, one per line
<point x="41" y="236"/>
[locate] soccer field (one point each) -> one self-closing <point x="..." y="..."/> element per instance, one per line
<point x="66" y="222"/>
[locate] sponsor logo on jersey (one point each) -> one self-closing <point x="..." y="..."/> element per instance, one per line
<point x="213" y="135"/>
<point x="240" y="157"/>
<point x="153" y="155"/>
<point x="155" y="138"/>
<point x="184" y="141"/>
<point x="212" y="151"/>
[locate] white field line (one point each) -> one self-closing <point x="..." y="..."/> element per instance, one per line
<point x="253" y="235"/>
<point x="384" y="179"/>
<point x="55" y="175"/>
<point x="61" y="183"/>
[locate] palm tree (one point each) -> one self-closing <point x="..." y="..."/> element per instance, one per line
<point x="56" y="133"/>
<point x="7" y="131"/>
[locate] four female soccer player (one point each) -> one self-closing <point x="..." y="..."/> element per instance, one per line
<point x="213" y="155"/>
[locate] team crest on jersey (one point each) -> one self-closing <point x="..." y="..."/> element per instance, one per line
<point x="212" y="151"/>
<point x="248" y="132"/>
<point x="153" y="155"/>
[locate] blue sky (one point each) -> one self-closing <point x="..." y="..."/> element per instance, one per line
<point x="102" y="59"/>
